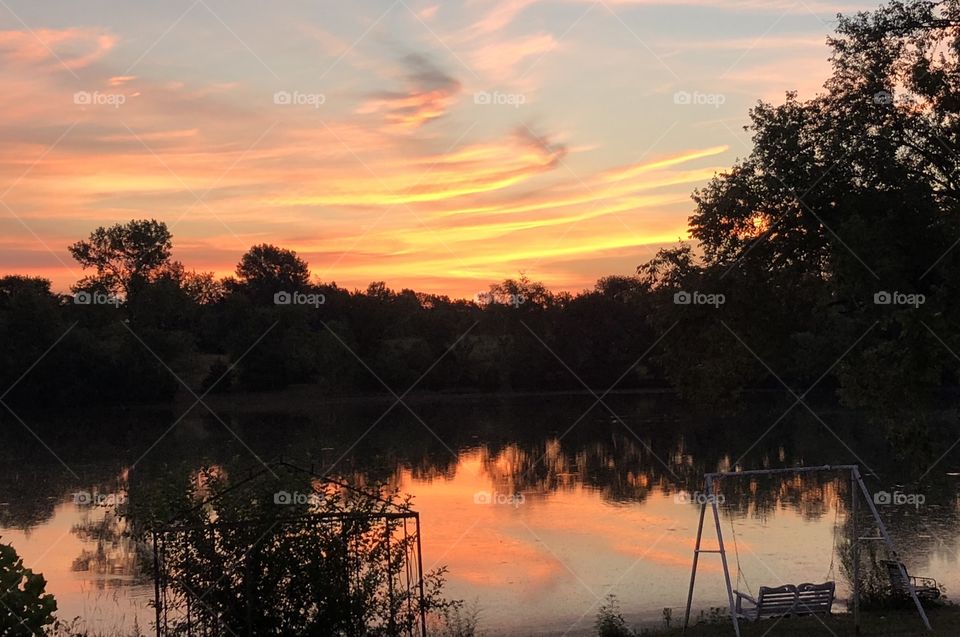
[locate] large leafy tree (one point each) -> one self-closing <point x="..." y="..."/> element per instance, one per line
<point x="846" y="195"/>
<point x="125" y="256"/>
<point x="288" y="351"/>
<point x="265" y="270"/>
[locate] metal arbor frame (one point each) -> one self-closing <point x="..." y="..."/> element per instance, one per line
<point x="856" y="485"/>
<point x="395" y="525"/>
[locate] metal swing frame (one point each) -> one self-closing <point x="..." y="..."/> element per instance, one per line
<point x="857" y="486"/>
<point x="394" y="519"/>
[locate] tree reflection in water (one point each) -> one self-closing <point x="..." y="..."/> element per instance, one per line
<point x="539" y="447"/>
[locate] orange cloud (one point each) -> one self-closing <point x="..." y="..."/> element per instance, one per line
<point x="73" y="48"/>
<point x="428" y="13"/>
<point x="429" y="95"/>
<point x="225" y="167"/>
<point x="476" y="169"/>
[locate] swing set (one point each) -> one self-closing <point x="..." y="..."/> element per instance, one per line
<point x="785" y="600"/>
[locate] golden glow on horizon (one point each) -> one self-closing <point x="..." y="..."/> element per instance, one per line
<point x="399" y="173"/>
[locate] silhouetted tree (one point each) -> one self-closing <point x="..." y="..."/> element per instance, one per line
<point x="845" y="196"/>
<point x="265" y="270"/>
<point x="125" y="256"/>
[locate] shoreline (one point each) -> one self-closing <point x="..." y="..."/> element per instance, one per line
<point x="297" y="398"/>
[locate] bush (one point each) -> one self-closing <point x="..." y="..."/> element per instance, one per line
<point x="610" y="622"/>
<point x="25" y="609"/>
<point x="454" y="620"/>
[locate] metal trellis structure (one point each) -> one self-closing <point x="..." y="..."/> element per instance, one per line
<point x="333" y="561"/>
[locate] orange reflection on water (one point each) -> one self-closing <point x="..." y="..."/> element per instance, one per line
<point x="90" y="566"/>
<point x="536" y="537"/>
<point x="541" y="558"/>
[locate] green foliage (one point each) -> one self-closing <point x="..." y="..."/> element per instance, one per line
<point x="610" y="622"/>
<point x="24" y="607"/>
<point x="454" y="619"/>
<point x="292" y="556"/>
<point x="875" y="590"/>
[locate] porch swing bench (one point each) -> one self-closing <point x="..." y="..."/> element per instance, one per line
<point x="781" y="601"/>
<point x="805" y="599"/>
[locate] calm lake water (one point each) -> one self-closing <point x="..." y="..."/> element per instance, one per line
<point x="539" y="506"/>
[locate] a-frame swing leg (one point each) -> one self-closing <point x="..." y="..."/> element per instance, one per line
<point x="693" y="573"/>
<point x="712" y="490"/>
<point x="889" y="542"/>
<point x="712" y="498"/>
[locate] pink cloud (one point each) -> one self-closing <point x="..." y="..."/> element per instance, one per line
<point x="430" y="93"/>
<point x="501" y="60"/>
<point x="73" y="48"/>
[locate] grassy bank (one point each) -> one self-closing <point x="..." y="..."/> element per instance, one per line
<point x="945" y="621"/>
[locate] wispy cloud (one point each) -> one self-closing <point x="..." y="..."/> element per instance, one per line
<point x="398" y="169"/>
<point x="74" y="48"/>
<point x="428" y="95"/>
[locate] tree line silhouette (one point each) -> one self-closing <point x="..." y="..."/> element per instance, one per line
<point x="269" y="326"/>
<point x="826" y="259"/>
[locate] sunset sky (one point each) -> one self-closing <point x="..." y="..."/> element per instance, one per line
<point x="439" y="146"/>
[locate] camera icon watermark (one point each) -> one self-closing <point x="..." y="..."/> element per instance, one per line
<point x="696" y="98"/>
<point x="887" y="98"/>
<point x="698" y="298"/>
<point x="299" y="298"/>
<point x="96" y="298"/>
<point x="296" y="98"/>
<point x="484" y="498"/>
<point x="899" y="498"/>
<point x="899" y="298"/>
<point x="96" y="98"/>
<point x="287" y="498"/>
<point x="696" y="497"/>
<point x="94" y="498"/>
<point x="496" y="98"/>
<point x="488" y="298"/>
